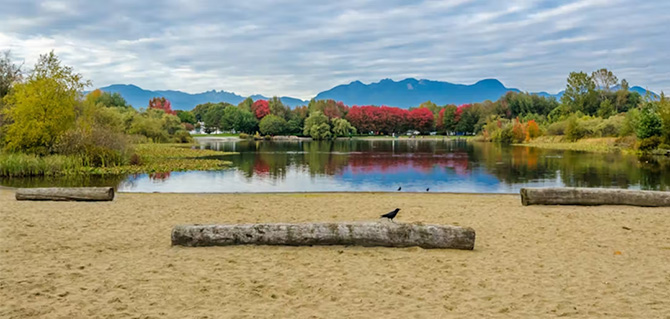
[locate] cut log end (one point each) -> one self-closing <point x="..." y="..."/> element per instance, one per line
<point x="66" y="194"/>
<point x="383" y="234"/>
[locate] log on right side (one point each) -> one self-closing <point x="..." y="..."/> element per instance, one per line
<point x="593" y="196"/>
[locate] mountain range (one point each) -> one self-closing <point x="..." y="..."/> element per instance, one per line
<point x="406" y="93"/>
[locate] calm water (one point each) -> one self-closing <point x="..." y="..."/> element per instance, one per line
<point x="368" y="165"/>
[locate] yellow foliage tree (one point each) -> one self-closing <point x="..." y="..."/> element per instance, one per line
<point x="43" y="107"/>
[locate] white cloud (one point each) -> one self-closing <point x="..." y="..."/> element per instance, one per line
<point x="298" y="47"/>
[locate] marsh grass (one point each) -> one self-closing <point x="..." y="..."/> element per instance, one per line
<point x="153" y="158"/>
<point x="598" y="145"/>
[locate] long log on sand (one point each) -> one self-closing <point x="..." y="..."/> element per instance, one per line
<point x="382" y="233"/>
<point x="66" y="194"/>
<point x="593" y="196"/>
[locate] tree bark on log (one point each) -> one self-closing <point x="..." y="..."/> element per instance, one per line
<point x="593" y="196"/>
<point x="66" y="194"/>
<point x="383" y="233"/>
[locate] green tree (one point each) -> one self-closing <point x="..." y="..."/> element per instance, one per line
<point x="606" y="109"/>
<point x="449" y="119"/>
<point x="42" y="108"/>
<point x="230" y="118"/>
<point x="320" y="132"/>
<point x="342" y="127"/>
<point x="574" y="130"/>
<point x="664" y="113"/>
<point x="580" y="93"/>
<point x="272" y="125"/>
<point x="186" y="117"/>
<point x="247" y="122"/>
<point x="246" y="105"/>
<point x="213" y="118"/>
<point x="650" y="123"/>
<point x="277" y="107"/>
<point x="315" y="118"/>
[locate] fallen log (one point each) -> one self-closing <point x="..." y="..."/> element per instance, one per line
<point x="66" y="194"/>
<point x="593" y="196"/>
<point x="385" y="234"/>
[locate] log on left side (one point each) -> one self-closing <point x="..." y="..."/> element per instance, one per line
<point x="85" y="194"/>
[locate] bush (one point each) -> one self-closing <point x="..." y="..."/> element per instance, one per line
<point x="649" y="144"/>
<point x="272" y="125"/>
<point x="557" y="128"/>
<point x="98" y="147"/>
<point x="267" y="137"/>
<point x="183" y="137"/>
<point x="244" y="136"/>
<point x="650" y="123"/>
<point x="612" y="126"/>
<point x="574" y="131"/>
<point x="664" y="146"/>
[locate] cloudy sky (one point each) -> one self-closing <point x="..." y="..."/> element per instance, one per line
<point x="301" y="47"/>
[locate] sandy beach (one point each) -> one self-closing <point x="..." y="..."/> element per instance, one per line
<point x="114" y="260"/>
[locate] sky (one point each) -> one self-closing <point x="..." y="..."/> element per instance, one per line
<point x="299" y="48"/>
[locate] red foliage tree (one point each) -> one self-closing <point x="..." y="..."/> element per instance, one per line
<point x="162" y="104"/>
<point x="377" y="119"/>
<point x="260" y="108"/>
<point x="421" y="119"/>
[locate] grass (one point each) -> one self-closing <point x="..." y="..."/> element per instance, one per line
<point x="597" y="145"/>
<point x="153" y="158"/>
<point x="216" y="135"/>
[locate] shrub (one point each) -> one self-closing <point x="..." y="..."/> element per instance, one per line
<point x="98" y="147"/>
<point x="574" y="131"/>
<point x="664" y="146"/>
<point x="649" y="144"/>
<point x="244" y="136"/>
<point x="267" y="137"/>
<point x="183" y="137"/>
<point x="557" y="128"/>
<point x="272" y="125"/>
<point x="650" y="123"/>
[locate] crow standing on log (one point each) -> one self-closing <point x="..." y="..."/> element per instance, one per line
<point x="391" y="215"/>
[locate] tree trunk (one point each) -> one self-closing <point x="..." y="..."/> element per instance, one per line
<point x="382" y="233"/>
<point x="66" y="194"/>
<point x="593" y="196"/>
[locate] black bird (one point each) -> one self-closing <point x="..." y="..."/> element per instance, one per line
<point x="391" y="215"/>
<point x="399" y="188"/>
<point x="428" y="189"/>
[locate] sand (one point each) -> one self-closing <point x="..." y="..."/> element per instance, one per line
<point x="114" y="260"/>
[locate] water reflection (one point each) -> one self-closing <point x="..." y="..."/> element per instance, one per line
<point x="383" y="165"/>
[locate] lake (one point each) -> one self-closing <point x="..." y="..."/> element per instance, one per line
<point x="386" y="165"/>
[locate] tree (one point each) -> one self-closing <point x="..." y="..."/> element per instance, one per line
<point x="213" y="118"/>
<point x="260" y="108"/>
<point x="230" y="118"/>
<point x="246" y="105"/>
<point x="247" y="122"/>
<point x="449" y="118"/>
<point x="272" y="125"/>
<point x="664" y="114"/>
<point x="161" y="104"/>
<point x="650" y="123"/>
<point x="43" y="107"/>
<point x="580" y="94"/>
<point x="277" y="107"/>
<point x="320" y="132"/>
<point x="315" y="119"/>
<point x="604" y="79"/>
<point x="421" y="119"/>
<point x="186" y="117"/>
<point x="342" y="127"/>
<point x="10" y="73"/>
<point x="606" y="109"/>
